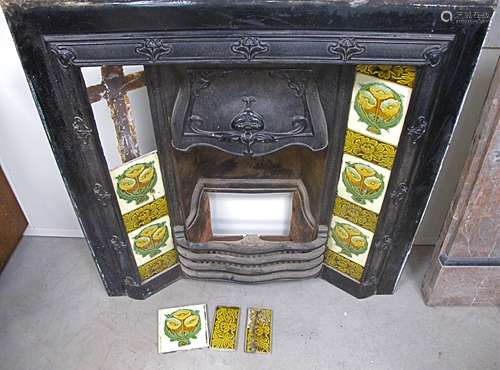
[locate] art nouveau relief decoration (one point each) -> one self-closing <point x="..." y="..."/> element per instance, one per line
<point x="248" y="112"/>
<point x="142" y="201"/>
<point x="378" y="107"/>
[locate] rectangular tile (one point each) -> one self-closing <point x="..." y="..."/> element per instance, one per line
<point x="159" y="264"/>
<point x="145" y="214"/>
<point x="343" y="265"/>
<point x="225" y="328"/>
<point x="356" y="214"/>
<point x="182" y="328"/>
<point x="259" y="330"/>
<point x="369" y="149"/>
<point x="400" y="74"/>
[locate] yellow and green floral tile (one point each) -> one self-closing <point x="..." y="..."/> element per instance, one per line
<point x="152" y="240"/>
<point x="349" y="240"/>
<point x="259" y="330"/>
<point x="225" y="329"/>
<point x="138" y="182"/>
<point x="356" y="214"/>
<point x="363" y="183"/>
<point x="369" y="149"/>
<point x="182" y="328"/>
<point x="158" y="264"/>
<point x="401" y="74"/>
<point x="378" y="108"/>
<point x="141" y="197"/>
<point x="145" y="214"/>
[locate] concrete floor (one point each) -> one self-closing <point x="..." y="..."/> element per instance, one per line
<point x="55" y="314"/>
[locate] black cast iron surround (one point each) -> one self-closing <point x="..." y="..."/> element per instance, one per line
<point x="54" y="39"/>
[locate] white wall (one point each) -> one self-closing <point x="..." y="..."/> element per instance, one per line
<point x="25" y="154"/>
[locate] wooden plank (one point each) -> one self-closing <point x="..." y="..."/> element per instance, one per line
<point x="12" y="221"/>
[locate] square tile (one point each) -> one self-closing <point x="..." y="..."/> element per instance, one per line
<point x="152" y="240"/>
<point x="138" y="182"/>
<point x="378" y="108"/>
<point x="182" y="328"/>
<point x="349" y="240"/>
<point x="363" y="183"/>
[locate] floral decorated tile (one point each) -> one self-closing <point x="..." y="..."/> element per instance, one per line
<point x="350" y="240"/>
<point x="378" y="108"/>
<point x="259" y="330"/>
<point x="182" y="328"/>
<point x="225" y="329"/>
<point x="138" y="182"/>
<point x="141" y="197"/>
<point x="151" y="240"/>
<point x="363" y="183"/>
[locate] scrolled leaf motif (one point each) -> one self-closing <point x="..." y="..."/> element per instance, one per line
<point x="249" y="47"/>
<point x="248" y="128"/>
<point x="345" y="49"/>
<point x="417" y="129"/>
<point x="101" y="195"/>
<point x="380" y="249"/>
<point x="399" y="193"/>
<point x="65" y="55"/>
<point x="433" y="55"/>
<point x="153" y="49"/>
<point x="384" y="244"/>
<point x="295" y="81"/>
<point x="118" y="244"/>
<point x="82" y="131"/>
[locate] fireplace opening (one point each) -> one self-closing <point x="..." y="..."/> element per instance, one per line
<point x="234" y="135"/>
<point x="243" y="254"/>
<point x="250" y="214"/>
<point x="260" y="210"/>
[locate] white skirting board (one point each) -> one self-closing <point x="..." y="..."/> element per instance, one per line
<point x="57" y="233"/>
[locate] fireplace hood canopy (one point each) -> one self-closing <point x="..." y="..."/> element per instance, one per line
<point x="347" y="107"/>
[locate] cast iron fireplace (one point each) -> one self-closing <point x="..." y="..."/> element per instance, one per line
<point x="347" y="108"/>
